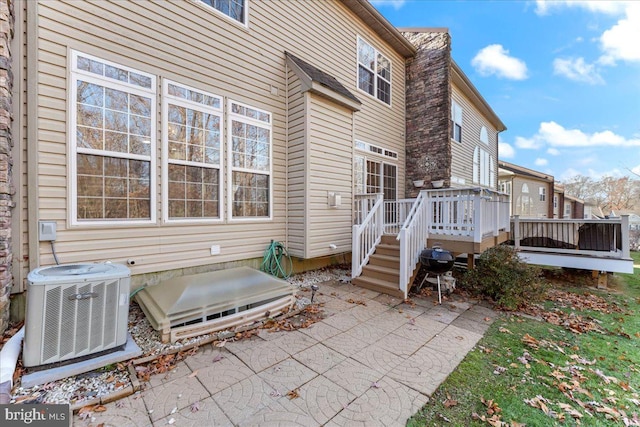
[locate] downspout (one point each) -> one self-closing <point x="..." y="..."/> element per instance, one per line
<point x="8" y="359"/>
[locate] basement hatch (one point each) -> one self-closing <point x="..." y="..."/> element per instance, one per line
<point x="188" y="306"/>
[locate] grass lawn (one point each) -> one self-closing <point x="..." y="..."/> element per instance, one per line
<point x="574" y="360"/>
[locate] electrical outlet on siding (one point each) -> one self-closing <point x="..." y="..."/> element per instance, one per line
<point x="215" y="249"/>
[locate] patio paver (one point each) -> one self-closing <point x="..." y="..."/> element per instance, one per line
<point x="363" y="365"/>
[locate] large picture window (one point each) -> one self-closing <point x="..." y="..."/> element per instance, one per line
<point x="112" y="141"/>
<point x="374" y="72"/>
<point x="192" y="135"/>
<point x="250" y="162"/>
<point x="234" y="9"/>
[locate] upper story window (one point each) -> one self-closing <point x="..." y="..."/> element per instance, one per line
<point x="192" y="134"/>
<point x="250" y="161"/>
<point x="483" y="135"/>
<point x="374" y="72"/>
<point x="234" y="9"/>
<point x="543" y="194"/>
<point x="456" y="121"/>
<point x="112" y="142"/>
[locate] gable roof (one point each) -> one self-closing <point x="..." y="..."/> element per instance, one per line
<point x="522" y="171"/>
<point x="378" y="23"/>
<point x="317" y="81"/>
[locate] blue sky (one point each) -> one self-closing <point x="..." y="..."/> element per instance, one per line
<point x="564" y="76"/>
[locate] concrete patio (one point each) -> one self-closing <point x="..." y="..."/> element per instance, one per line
<point x="367" y="365"/>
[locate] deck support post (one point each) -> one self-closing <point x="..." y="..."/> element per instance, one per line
<point x="471" y="261"/>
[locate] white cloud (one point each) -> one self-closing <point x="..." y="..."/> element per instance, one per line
<point x="543" y="7"/>
<point x="541" y="162"/>
<point x="568" y="174"/>
<point x="636" y="170"/>
<point x="527" y="143"/>
<point x="555" y="135"/>
<point x="577" y="70"/>
<point x="553" y="151"/>
<point x="620" y="42"/>
<point x="495" y="59"/>
<point x="506" y="151"/>
<point x="396" y="4"/>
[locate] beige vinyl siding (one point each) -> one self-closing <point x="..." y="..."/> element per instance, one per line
<point x="296" y="170"/>
<point x="330" y="170"/>
<point x="462" y="153"/>
<point x="19" y="220"/>
<point x="538" y="209"/>
<point x="186" y="43"/>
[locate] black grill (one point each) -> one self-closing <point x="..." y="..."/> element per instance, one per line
<point x="437" y="260"/>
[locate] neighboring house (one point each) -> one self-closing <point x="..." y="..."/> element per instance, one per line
<point x="532" y="192"/>
<point x="452" y="132"/>
<point x="186" y="135"/>
<point x="566" y="206"/>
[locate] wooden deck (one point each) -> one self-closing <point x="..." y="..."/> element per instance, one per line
<point x="601" y="245"/>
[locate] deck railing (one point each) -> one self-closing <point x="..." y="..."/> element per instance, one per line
<point x="599" y="237"/>
<point x="367" y="234"/>
<point x="413" y="239"/>
<point x="470" y="212"/>
<point x="395" y="214"/>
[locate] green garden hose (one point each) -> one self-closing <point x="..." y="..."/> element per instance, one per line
<point x="272" y="262"/>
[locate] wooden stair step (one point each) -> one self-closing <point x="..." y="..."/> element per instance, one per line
<point x="385" y="261"/>
<point x="385" y="249"/>
<point x="378" y="285"/>
<point x="387" y="239"/>
<point x="391" y="275"/>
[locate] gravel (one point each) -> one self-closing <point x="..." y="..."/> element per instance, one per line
<point x="88" y="386"/>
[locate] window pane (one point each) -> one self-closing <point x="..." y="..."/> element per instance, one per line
<point x="366" y="54"/>
<point x="89" y="93"/>
<point x="189" y="188"/>
<point x="231" y="8"/>
<point x="113" y="188"/>
<point x="384" y="68"/>
<point x="365" y="80"/>
<point x="384" y="91"/>
<point x="116" y="100"/>
<point x="250" y="194"/>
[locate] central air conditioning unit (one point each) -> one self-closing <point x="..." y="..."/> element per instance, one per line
<point x="75" y="310"/>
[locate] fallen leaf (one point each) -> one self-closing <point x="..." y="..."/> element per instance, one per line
<point x="195" y="407"/>
<point x="449" y="403"/>
<point x="218" y="358"/>
<point x="375" y="385"/>
<point x="293" y="394"/>
<point x="99" y="408"/>
<point x="193" y="374"/>
<point x="221" y="344"/>
<point x="505" y="330"/>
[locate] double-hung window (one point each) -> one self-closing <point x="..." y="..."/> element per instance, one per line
<point x="456" y="121"/>
<point x="374" y="72"/>
<point x="543" y="194"/>
<point x="483" y="168"/>
<point x="250" y="162"/>
<point x="234" y="9"/>
<point x="112" y="119"/>
<point x="192" y="135"/>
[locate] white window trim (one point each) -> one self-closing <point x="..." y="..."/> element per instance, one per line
<point x="231" y="169"/>
<point x="375" y="74"/>
<point x="166" y="99"/>
<point x="73" y="149"/>
<point x="542" y="193"/>
<point x="244" y="24"/>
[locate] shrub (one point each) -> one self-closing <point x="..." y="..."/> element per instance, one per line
<point x="500" y="275"/>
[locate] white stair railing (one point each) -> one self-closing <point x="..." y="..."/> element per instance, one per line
<point x="366" y="236"/>
<point x="413" y="239"/>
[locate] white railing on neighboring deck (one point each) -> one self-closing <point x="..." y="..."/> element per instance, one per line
<point x="468" y="212"/>
<point x="367" y="234"/>
<point x="413" y="239"/>
<point x="607" y="238"/>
